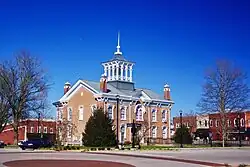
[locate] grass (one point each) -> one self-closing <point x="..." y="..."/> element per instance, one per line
<point x="11" y="146"/>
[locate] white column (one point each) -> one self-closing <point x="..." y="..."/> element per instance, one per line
<point x="130" y="75"/>
<point x="113" y="72"/>
<point x="105" y="70"/>
<point x="126" y="73"/>
<point x="109" y="72"/>
<point x="117" y="71"/>
<point x="122" y="72"/>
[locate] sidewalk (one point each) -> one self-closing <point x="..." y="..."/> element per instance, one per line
<point x="167" y="158"/>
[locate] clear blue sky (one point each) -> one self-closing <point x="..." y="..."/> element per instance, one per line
<point x="171" y="41"/>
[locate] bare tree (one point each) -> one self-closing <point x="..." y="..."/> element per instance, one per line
<point x="65" y="130"/>
<point x="4" y="113"/>
<point x="25" y="87"/>
<point x="225" y="91"/>
<point x="142" y="131"/>
<point x="191" y="120"/>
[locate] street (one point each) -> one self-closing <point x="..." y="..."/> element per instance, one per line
<point x="230" y="156"/>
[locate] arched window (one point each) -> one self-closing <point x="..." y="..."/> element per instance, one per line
<point x="216" y="123"/>
<point x="229" y="123"/>
<point x="139" y="113"/>
<point x="81" y="113"/>
<point x="154" y="131"/>
<point x="93" y="108"/>
<point x="242" y="122"/>
<point x="164" y="132"/>
<point x="154" y="119"/>
<point x="123" y="133"/>
<point x="235" y="122"/>
<point x="69" y="114"/>
<point x="110" y="111"/>
<point x="211" y="123"/>
<point x="164" y="115"/>
<point x="123" y="113"/>
<point x="205" y="123"/>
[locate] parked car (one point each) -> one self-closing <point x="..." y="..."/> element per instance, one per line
<point x="35" y="144"/>
<point x="20" y="142"/>
<point x="2" y="144"/>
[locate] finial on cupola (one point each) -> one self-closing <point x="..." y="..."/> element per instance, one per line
<point x="118" y="52"/>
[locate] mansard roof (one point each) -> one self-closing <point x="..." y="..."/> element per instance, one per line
<point x="137" y="93"/>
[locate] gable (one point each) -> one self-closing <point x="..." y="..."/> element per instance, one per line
<point x="144" y="96"/>
<point x="79" y="84"/>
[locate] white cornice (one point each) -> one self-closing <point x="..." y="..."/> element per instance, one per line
<point x="76" y="87"/>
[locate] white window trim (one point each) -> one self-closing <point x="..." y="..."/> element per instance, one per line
<point x="216" y="123"/>
<point x="80" y="112"/>
<point x="166" y="134"/>
<point x="155" y="132"/>
<point x="211" y="122"/>
<point x="164" y="120"/>
<point x="31" y="129"/>
<point x="45" y="129"/>
<point x="68" y="113"/>
<point x="125" y="133"/>
<point x="39" y="130"/>
<point x="235" y="122"/>
<point x="155" y="111"/>
<point x="93" y="107"/>
<point x="242" y="122"/>
<point x="51" y="130"/>
<point x="205" y="123"/>
<point x="113" y="107"/>
<point x="142" y="110"/>
<point x="125" y="113"/>
<point x="229" y="123"/>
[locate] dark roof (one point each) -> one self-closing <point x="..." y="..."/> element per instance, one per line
<point x="134" y="93"/>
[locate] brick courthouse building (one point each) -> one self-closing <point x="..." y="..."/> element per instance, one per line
<point x="142" y="105"/>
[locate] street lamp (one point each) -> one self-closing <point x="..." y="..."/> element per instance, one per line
<point x="239" y="135"/>
<point x="181" y="129"/>
<point x="117" y="120"/>
<point x="210" y="138"/>
<point x="38" y="124"/>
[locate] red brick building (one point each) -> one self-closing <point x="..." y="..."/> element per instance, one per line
<point x="188" y="121"/>
<point x="231" y="123"/>
<point x="29" y="129"/>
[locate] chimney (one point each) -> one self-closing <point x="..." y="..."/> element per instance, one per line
<point x="103" y="84"/>
<point x="167" y="92"/>
<point x="67" y="86"/>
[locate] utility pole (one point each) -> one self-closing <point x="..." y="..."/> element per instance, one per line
<point x="117" y="121"/>
<point x="181" y="129"/>
<point x="133" y="134"/>
<point x="239" y="135"/>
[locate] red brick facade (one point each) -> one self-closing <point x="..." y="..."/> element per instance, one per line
<point x="188" y="121"/>
<point x="26" y="129"/>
